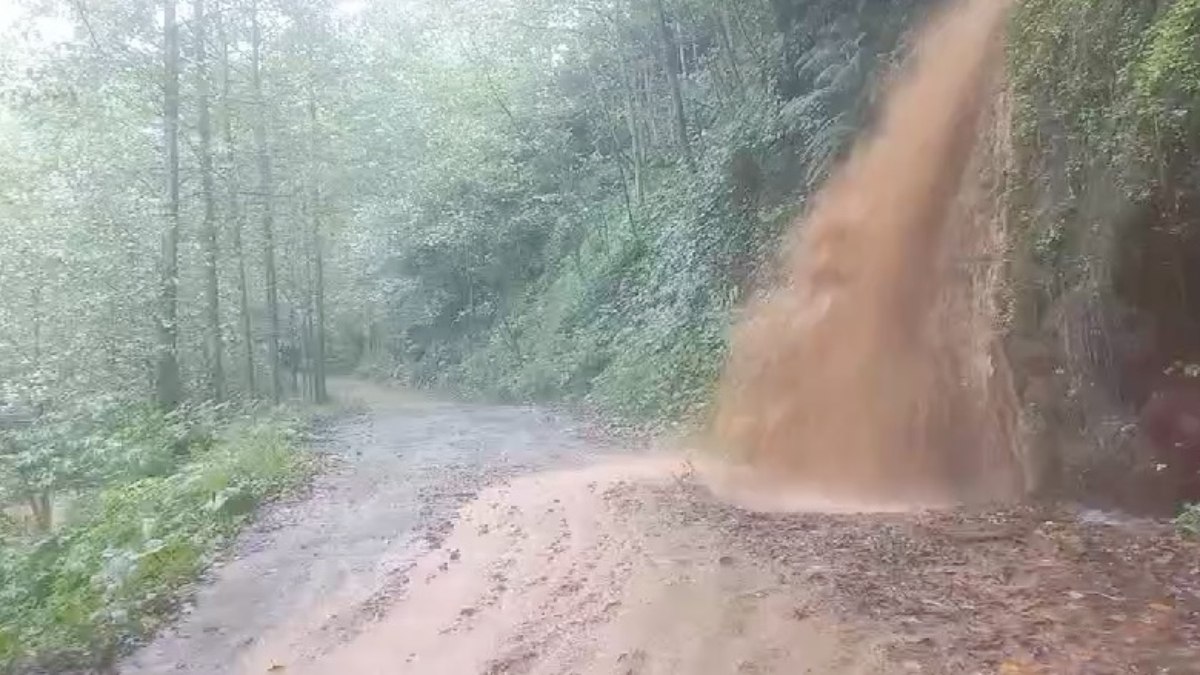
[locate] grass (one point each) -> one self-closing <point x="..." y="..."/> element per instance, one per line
<point x="115" y="570"/>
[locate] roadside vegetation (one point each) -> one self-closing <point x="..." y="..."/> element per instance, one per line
<point x="139" y="502"/>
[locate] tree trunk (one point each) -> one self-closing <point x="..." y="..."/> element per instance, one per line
<point x="233" y="213"/>
<point x="41" y="507"/>
<point x="37" y="325"/>
<point x="672" y="65"/>
<point x="320" y="393"/>
<point x="321" y="388"/>
<point x="728" y="46"/>
<point x="308" y="389"/>
<point x="212" y="297"/>
<point x="637" y="148"/>
<point x="266" y="188"/>
<point x="652" y="130"/>
<point x="617" y="153"/>
<point x="167" y="381"/>
<point x="764" y="67"/>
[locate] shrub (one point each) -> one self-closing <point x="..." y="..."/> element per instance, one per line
<point x="1188" y="521"/>
<point x="78" y="595"/>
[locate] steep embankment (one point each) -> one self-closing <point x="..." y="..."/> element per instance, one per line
<point x="1099" y="205"/>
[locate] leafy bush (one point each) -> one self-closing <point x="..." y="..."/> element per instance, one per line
<point x="115" y="571"/>
<point x="1188" y="522"/>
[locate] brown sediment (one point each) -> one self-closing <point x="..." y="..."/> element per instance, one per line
<point x="869" y="372"/>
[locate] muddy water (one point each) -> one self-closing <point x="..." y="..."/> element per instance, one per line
<point x="859" y="378"/>
<point x="592" y="571"/>
<point x="314" y="571"/>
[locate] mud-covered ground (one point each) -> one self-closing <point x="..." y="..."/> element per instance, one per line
<point x="397" y="471"/>
<point x="459" y="539"/>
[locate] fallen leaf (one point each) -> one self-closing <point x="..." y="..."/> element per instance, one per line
<point x="1016" y="668"/>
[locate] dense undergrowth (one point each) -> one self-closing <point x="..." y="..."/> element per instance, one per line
<point x="605" y="262"/>
<point x="140" y="503"/>
<point x="1102" y="202"/>
<point x="637" y="325"/>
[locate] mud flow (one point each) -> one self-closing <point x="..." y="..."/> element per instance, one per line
<point x="870" y="373"/>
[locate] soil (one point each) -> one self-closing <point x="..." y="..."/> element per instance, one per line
<point x="450" y="538"/>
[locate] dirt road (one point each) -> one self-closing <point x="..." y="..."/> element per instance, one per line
<point x="458" y="539"/>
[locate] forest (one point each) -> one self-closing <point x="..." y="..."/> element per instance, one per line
<point x="210" y="207"/>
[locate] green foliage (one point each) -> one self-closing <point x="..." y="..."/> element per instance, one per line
<point x="1071" y="64"/>
<point x="1101" y="200"/>
<point x="114" y="570"/>
<point x="1188" y="521"/>
<point x="550" y="240"/>
<point x="1168" y="74"/>
<point x="1105" y="94"/>
<point x="97" y="441"/>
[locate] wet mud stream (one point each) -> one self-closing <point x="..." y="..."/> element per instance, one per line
<point x="459" y="539"/>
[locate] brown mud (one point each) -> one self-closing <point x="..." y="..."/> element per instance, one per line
<point x="464" y="539"/>
<point x="870" y="372"/>
<point x="630" y="566"/>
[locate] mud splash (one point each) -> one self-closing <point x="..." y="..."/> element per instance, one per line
<point x="870" y="374"/>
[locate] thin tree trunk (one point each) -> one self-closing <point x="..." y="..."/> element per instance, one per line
<point x="320" y="393"/>
<point x="672" y="65"/>
<point x="321" y="389"/>
<point x="37" y="326"/>
<point x="636" y="144"/>
<point x="167" y="381"/>
<point x="647" y="105"/>
<point x="618" y="158"/>
<point x="760" y="59"/>
<point x="305" y="289"/>
<point x="310" y="340"/>
<point x="233" y="213"/>
<point x="41" y="506"/>
<point x="212" y="297"/>
<point x="727" y="45"/>
<point x="266" y="187"/>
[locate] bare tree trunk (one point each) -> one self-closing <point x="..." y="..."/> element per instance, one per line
<point x="212" y="297"/>
<point x="321" y="389"/>
<point x="37" y="325"/>
<point x="618" y="154"/>
<point x="233" y="213"/>
<point x="672" y="65"/>
<point x="304" y="341"/>
<point x="759" y="57"/>
<point x="647" y="104"/>
<point x="320" y="392"/>
<point x="41" y="506"/>
<point x="167" y="380"/>
<point x="266" y="187"/>
<point x="637" y="148"/>
<point x="728" y="46"/>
